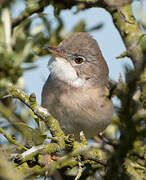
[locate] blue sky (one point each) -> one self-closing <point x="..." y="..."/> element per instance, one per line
<point x="108" y="39"/>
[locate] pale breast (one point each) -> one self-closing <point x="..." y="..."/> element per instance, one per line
<point x="78" y="109"/>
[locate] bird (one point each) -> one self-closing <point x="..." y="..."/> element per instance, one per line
<point x="75" y="92"/>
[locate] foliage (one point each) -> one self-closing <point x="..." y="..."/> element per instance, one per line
<point x="25" y="151"/>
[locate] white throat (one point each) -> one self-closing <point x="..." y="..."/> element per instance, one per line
<point x="62" y="70"/>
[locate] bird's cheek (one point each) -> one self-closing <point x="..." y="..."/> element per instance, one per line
<point x="89" y="70"/>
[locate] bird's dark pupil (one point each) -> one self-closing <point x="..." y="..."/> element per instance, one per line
<point x="79" y="60"/>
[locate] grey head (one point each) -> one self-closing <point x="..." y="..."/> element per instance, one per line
<point x="78" y="62"/>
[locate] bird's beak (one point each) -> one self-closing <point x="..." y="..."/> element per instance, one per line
<point x="54" y="51"/>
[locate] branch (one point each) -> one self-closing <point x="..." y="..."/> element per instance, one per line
<point x="39" y="111"/>
<point x="11" y="140"/>
<point x="94" y="155"/>
<point x="40" y="5"/>
<point x="37" y="8"/>
<point x="91" y="155"/>
<point x="117" y="3"/>
<point x="7" y="171"/>
<point x="108" y="3"/>
<point x="131" y="132"/>
<point x="135" y="170"/>
<point x="79" y="172"/>
<point x="130" y="32"/>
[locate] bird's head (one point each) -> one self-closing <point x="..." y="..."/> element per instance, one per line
<point x="78" y="61"/>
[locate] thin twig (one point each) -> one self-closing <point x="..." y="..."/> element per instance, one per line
<point x="11" y="140"/>
<point x="79" y="172"/>
<point x="28" y="12"/>
<point x="39" y="111"/>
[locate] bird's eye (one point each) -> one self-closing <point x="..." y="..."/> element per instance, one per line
<point x="79" y="60"/>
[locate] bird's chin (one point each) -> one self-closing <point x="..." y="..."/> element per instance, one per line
<point x="62" y="70"/>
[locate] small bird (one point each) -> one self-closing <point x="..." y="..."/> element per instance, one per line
<point x="75" y="91"/>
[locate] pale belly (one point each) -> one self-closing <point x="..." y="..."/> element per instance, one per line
<point x="78" y="110"/>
